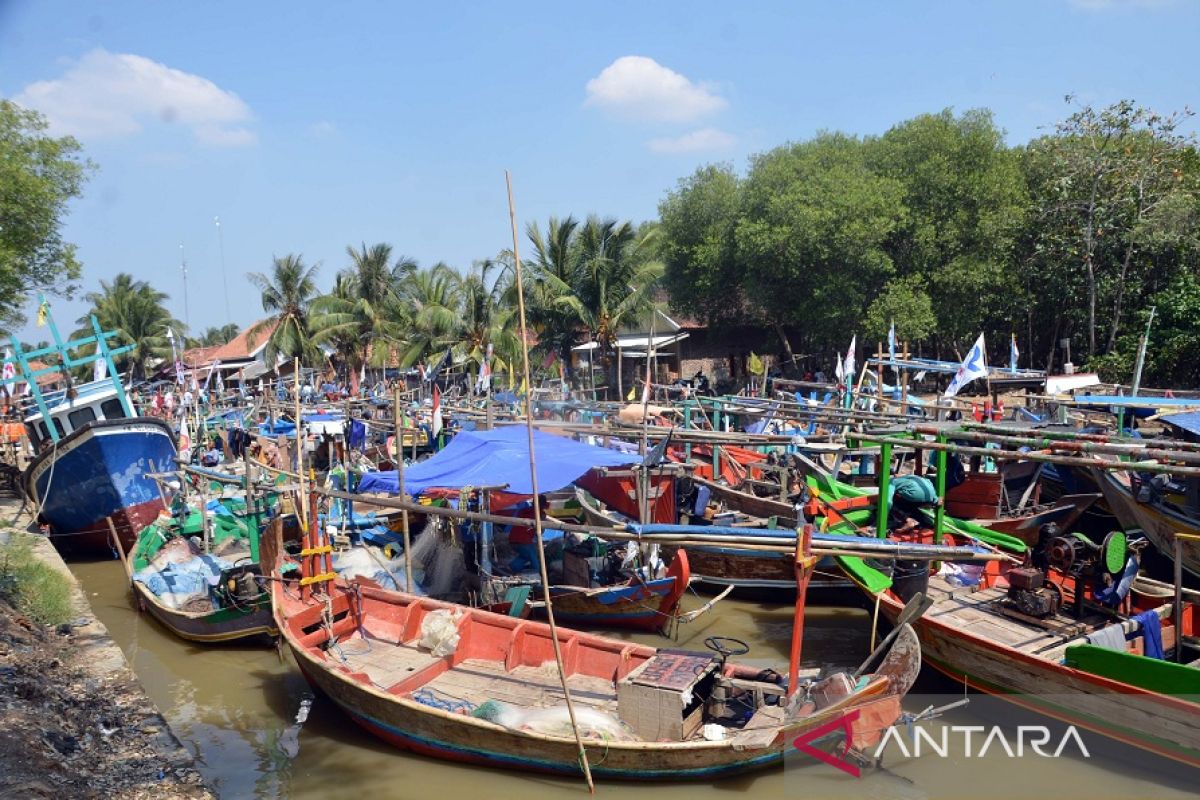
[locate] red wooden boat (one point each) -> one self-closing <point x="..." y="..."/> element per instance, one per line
<point x="493" y="697"/>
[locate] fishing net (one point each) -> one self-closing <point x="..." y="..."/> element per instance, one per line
<point x="439" y="553"/>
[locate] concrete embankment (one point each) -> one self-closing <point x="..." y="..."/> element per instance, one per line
<point x="74" y="721"/>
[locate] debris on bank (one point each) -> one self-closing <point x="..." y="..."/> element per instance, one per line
<point x="74" y="722"/>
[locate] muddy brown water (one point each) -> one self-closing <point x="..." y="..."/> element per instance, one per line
<point x="234" y="708"/>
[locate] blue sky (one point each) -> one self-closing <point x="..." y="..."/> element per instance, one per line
<point x="309" y="126"/>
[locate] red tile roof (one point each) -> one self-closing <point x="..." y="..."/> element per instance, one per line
<point x="242" y="346"/>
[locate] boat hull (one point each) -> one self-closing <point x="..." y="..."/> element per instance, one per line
<point x="1160" y="523"/>
<point x="214" y="627"/>
<point x="1133" y="716"/>
<point x="100" y="472"/>
<point x="445" y="734"/>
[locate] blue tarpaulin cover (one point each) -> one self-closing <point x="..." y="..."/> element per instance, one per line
<point x="499" y="457"/>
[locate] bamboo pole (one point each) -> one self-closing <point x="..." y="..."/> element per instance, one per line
<point x="399" y="447"/>
<point x="1114" y="448"/>
<point x="537" y="503"/>
<point x="112" y="530"/>
<point x="783" y="543"/>
<point x="301" y="511"/>
<point x="1177" y="601"/>
<point x="1011" y="455"/>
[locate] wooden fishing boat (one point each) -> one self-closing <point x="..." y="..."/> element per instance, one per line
<point x="638" y="605"/>
<point x="714" y="564"/>
<point x="979" y="636"/>
<point x="236" y="607"/>
<point x="491" y="697"/>
<point x="1158" y="517"/>
<point x="1008" y="500"/>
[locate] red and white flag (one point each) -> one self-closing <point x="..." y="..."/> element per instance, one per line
<point x="436" y="426"/>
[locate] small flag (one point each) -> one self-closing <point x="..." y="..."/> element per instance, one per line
<point x="99" y="369"/>
<point x="436" y="425"/>
<point x="849" y="364"/>
<point x="485" y="371"/>
<point x="179" y="372"/>
<point x="43" y="312"/>
<point x="1013" y="354"/>
<point x="185" y="438"/>
<point x="973" y="366"/>
<point x="632" y="394"/>
<point x="892" y="341"/>
<point x="362" y="374"/>
<point x="10" y="369"/>
<point x="755" y="364"/>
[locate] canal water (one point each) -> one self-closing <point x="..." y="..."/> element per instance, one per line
<point x="235" y="709"/>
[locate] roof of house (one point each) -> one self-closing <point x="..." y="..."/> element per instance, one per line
<point x="243" y="346"/>
<point x="200" y="356"/>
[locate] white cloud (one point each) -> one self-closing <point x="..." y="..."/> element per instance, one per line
<point x="640" y="87"/>
<point x="694" y="142"/>
<point x="114" y="94"/>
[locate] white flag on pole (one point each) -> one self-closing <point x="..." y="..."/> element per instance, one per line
<point x="973" y="366"/>
<point x="849" y="364"/>
<point x="99" y="369"/>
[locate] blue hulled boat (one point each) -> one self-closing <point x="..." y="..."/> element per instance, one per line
<point x="93" y="452"/>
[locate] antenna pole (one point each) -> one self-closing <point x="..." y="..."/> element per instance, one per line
<point x="224" y="278"/>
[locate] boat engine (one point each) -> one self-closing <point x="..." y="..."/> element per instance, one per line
<point x="1030" y="594"/>
<point x="239" y="584"/>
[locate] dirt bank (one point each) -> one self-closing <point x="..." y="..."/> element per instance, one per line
<point x="74" y="722"/>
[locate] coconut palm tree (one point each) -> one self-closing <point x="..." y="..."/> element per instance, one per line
<point x="428" y="314"/>
<point x="214" y="336"/>
<point x="362" y="309"/>
<point x="287" y="296"/>
<point x="615" y="282"/>
<point x="553" y="272"/>
<point x="487" y="318"/>
<point x="137" y="312"/>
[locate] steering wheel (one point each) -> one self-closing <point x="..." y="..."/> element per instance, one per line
<point x="725" y="646"/>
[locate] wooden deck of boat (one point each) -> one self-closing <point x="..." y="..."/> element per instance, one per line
<point x="474" y="680"/>
<point x="477" y="681"/>
<point x="979" y="612"/>
<point x="383" y="662"/>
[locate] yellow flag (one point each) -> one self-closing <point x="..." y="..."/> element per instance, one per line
<point x="755" y="365"/>
<point x="524" y="387"/>
<point x="43" y="312"/>
<point x="632" y="395"/>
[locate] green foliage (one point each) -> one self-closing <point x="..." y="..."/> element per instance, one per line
<point x="1173" y="353"/>
<point x="905" y="302"/>
<point x="32" y="586"/>
<point x="940" y="225"/>
<point x="965" y="201"/>
<point x="39" y="175"/>
<point x="812" y="232"/>
<point x="699" y="250"/>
